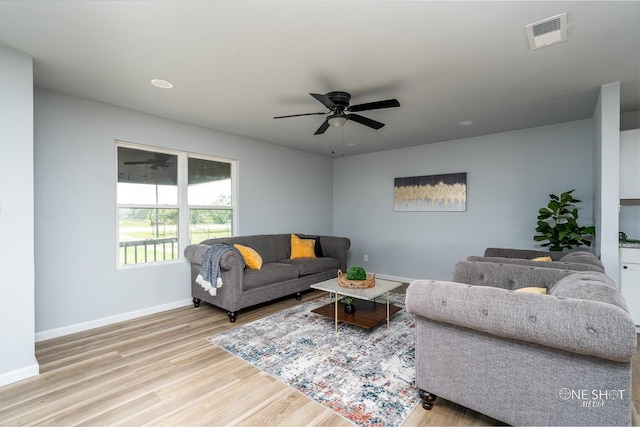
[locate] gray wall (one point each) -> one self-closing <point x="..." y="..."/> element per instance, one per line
<point x="509" y="177"/>
<point x="17" y="354"/>
<point x="77" y="284"/>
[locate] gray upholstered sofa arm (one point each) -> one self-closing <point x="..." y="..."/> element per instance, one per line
<point x="336" y="247"/>
<point x="194" y="253"/>
<point x="577" y="325"/>
<point x="229" y="260"/>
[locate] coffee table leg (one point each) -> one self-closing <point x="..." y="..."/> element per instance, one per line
<point x="387" y="309"/>
<point x="336" y="315"/>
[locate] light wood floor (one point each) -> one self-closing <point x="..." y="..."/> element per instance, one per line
<point x="160" y="370"/>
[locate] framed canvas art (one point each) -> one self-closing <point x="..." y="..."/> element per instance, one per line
<point x="447" y="192"/>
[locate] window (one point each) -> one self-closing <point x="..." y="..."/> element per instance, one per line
<point x="209" y="199"/>
<point x="167" y="200"/>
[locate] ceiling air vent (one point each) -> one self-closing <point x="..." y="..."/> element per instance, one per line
<point x="547" y="32"/>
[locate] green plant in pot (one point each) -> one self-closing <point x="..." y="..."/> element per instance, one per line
<point x="558" y="224"/>
<point x="349" y="308"/>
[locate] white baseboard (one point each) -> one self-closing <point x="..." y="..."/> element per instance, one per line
<point x="85" y="326"/>
<point x="32" y="370"/>
<point x="394" y="278"/>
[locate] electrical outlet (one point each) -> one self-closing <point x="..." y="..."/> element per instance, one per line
<point x="366" y="258"/>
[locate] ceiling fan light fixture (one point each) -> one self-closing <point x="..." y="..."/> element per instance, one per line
<point x="338" y="103"/>
<point x="337" y="121"/>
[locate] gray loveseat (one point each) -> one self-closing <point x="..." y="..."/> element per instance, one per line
<point x="525" y="358"/>
<point x="279" y="276"/>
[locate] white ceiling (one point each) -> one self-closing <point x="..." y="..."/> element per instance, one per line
<point x="236" y="64"/>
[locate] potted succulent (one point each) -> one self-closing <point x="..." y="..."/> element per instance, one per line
<point x="558" y="224"/>
<point x="349" y="308"/>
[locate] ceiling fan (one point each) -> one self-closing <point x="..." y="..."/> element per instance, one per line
<point x="338" y="104"/>
<point x="159" y="160"/>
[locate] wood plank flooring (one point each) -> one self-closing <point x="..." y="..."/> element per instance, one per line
<point x="160" y="370"/>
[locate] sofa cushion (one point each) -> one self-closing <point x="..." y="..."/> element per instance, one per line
<point x="272" y="272"/>
<point x="542" y="259"/>
<point x="311" y="266"/>
<point x="252" y="259"/>
<point x="271" y="247"/>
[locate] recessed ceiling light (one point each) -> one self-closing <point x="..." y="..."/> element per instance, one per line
<point x="466" y="123"/>
<point x="162" y="84"/>
<point x="350" y="144"/>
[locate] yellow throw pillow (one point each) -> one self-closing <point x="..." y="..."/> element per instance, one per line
<point x="533" y="290"/>
<point x="542" y="258"/>
<point x="252" y="259"/>
<point x="302" y="248"/>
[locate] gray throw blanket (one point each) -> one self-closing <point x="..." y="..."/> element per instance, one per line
<point x="209" y="277"/>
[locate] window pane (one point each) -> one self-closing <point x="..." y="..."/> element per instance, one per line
<point x="209" y="223"/>
<point x="142" y="194"/>
<point x="147" y="177"/>
<point x="148" y="235"/>
<point x="209" y="183"/>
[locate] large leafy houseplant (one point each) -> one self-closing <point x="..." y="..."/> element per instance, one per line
<point x="558" y="224"/>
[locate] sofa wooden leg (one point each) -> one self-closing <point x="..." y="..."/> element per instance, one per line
<point x="232" y="316"/>
<point x="196" y="302"/>
<point x="298" y="296"/>
<point x="427" y="399"/>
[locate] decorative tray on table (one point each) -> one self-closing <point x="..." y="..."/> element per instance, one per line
<point x="369" y="282"/>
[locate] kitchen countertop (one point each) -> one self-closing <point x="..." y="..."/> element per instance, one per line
<point x="629" y="245"/>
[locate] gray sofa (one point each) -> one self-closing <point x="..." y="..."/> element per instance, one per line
<point x="525" y="358"/>
<point x="578" y="259"/>
<point x="279" y="276"/>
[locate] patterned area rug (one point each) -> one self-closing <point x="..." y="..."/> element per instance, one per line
<point x="366" y="376"/>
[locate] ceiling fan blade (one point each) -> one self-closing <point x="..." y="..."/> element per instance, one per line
<point x="323" y="128"/>
<point x="387" y="103"/>
<point x="324" y="99"/>
<point x="365" y="121"/>
<point x="298" y="115"/>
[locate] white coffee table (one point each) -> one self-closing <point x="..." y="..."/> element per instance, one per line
<point x="368" y="312"/>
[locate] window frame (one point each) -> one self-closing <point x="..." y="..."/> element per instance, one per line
<point x="182" y="205"/>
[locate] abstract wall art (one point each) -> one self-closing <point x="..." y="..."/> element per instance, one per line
<point x="447" y="192"/>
